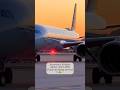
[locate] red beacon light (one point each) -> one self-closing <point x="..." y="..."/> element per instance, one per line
<point x="53" y="52"/>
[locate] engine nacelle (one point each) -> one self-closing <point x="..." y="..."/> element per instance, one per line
<point x="81" y="50"/>
<point x="110" y="58"/>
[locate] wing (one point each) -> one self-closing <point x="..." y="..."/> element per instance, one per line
<point x="92" y="42"/>
<point x="69" y="44"/>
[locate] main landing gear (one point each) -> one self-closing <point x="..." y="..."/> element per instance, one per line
<point x="6" y="74"/>
<point x="97" y="74"/>
<point x="75" y="58"/>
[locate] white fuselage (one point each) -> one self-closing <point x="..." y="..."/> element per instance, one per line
<point x="57" y="33"/>
<point x="61" y="33"/>
<point x="48" y="37"/>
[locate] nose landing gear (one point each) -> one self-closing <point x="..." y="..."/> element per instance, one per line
<point x="37" y="58"/>
<point x="6" y="74"/>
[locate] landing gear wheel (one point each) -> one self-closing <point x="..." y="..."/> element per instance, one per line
<point x="80" y="59"/>
<point x="38" y="58"/>
<point x="96" y="76"/>
<point x="8" y="75"/>
<point x="74" y="58"/>
<point x="2" y="79"/>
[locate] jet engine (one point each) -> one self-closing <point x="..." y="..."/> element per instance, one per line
<point x="81" y="50"/>
<point x="110" y="57"/>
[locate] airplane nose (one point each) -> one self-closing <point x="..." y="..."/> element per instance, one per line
<point x="39" y="31"/>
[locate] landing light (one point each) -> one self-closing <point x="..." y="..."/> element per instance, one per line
<point x="53" y="52"/>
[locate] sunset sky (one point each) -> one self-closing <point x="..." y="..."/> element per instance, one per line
<point x="109" y="11"/>
<point x="59" y="13"/>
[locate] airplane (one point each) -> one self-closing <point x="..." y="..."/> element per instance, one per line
<point x="17" y="41"/>
<point x="49" y="38"/>
<point x="46" y="35"/>
<point x="21" y="39"/>
<point x="108" y="45"/>
<point x="108" y="58"/>
<point x="81" y="46"/>
<point x="16" y="35"/>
